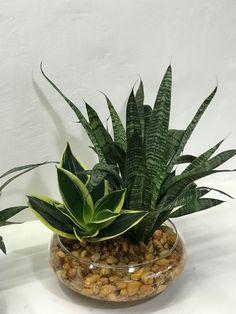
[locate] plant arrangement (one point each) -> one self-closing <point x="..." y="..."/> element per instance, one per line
<point x="83" y="215"/>
<point x="119" y="210"/>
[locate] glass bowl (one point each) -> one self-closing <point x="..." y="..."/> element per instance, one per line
<point x="103" y="276"/>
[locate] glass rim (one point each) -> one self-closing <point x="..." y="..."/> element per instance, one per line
<point x="98" y="265"/>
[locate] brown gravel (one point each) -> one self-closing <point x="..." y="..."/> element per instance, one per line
<point x="109" y="270"/>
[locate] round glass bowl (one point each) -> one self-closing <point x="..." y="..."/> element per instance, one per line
<point x="118" y="270"/>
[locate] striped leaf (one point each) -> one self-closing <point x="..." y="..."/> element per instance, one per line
<point x="135" y="154"/>
<point x="157" y="135"/>
<point x="217" y="190"/>
<point x="75" y="195"/>
<point x="184" y="183"/>
<point x="140" y="195"/>
<point x="191" y="128"/>
<point x="139" y="99"/>
<point x="202" y="158"/>
<point x="72" y="164"/>
<point x="174" y="138"/>
<point x="185" y="197"/>
<point x="45" y="210"/>
<point x="98" y="185"/>
<point x="147" y="118"/>
<point x="110" y="151"/>
<point x="121" y="224"/>
<point x="205" y="168"/>
<point x="185" y="159"/>
<point x="79" y="115"/>
<point x="195" y="206"/>
<point x="118" y="128"/>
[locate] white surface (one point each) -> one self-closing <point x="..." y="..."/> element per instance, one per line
<point x="207" y="285"/>
<point x="104" y="45"/>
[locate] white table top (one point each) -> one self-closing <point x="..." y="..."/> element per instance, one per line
<point x="207" y="285"/>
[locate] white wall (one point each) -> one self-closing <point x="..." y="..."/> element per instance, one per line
<point x="105" y="45"/>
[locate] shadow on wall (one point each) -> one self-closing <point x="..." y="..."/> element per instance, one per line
<point x="62" y="136"/>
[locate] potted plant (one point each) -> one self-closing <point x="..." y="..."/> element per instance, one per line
<point x="113" y="238"/>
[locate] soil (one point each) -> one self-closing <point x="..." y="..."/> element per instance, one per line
<point x="118" y="269"/>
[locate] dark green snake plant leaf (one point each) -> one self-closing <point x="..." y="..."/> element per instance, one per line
<point x="118" y="128"/>
<point x="191" y="128"/>
<point x="72" y="164"/>
<point x="135" y="157"/>
<point x="25" y="168"/>
<point x="8" y="213"/>
<point x="205" y="168"/>
<point x="203" y="157"/>
<point x="46" y="211"/>
<point x="157" y="136"/>
<point x="74" y="194"/>
<point x="197" y="205"/>
<point x="139" y="99"/>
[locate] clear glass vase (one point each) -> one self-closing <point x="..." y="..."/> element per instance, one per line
<point x="103" y="276"/>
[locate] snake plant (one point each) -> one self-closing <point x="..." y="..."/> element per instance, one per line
<point x="82" y="214"/>
<point x="142" y="157"/>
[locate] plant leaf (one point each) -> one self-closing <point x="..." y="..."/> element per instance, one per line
<point x="118" y="128"/>
<point x="7" y="213"/>
<point x="185" y="159"/>
<point x="74" y="194"/>
<point x="173" y="140"/>
<point x="19" y="168"/>
<point x="27" y="167"/>
<point x="110" y="151"/>
<point x="191" y="128"/>
<point x="147" y="119"/>
<point x="139" y="99"/>
<point x="85" y="234"/>
<point x="205" y="168"/>
<point x="45" y="210"/>
<point x="198" y="205"/>
<point x="113" y="201"/>
<point x="121" y="224"/>
<point x="202" y="158"/>
<point x="72" y="164"/>
<point x="157" y="136"/>
<point x="135" y="156"/>
<point x="2" y="246"/>
<point x="104" y="216"/>
<point x="79" y="115"/>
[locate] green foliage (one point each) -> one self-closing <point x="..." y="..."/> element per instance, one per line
<point x="81" y="215"/>
<point x="144" y="157"/>
<point x="8" y="213"/>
